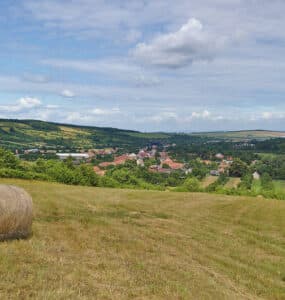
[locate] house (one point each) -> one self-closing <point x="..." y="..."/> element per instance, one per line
<point x="143" y="154"/>
<point x="256" y="175"/>
<point x="132" y="156"/>
<point x="140" y="162"/>
<point x="119" y="160"/>
<point x="173" y="165"/>
<point x="188" y="171"/>
<point x="214" y="173"/>
<point x="106" y="164"/>
<point x="219" y="156"/>
<point x="98" y="171"/>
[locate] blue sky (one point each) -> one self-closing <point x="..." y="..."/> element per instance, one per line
<point x="186" y="65"/>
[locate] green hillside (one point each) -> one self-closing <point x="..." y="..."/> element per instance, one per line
<point x="20" y="134"/>
<point x="30" y="133"/>
<point x="92" y="243"/>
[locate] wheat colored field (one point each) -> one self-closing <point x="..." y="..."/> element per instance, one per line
<point x="91" y="243"/>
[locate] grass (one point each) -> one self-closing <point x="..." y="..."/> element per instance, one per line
<point x="208" y="180"/>
<point x="233" y="183"/>
<point x="245" y="134"/>
<point x="91" y="243"/>
<point x="279" y="185"/>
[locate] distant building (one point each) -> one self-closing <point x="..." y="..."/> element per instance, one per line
<point x="31" y="151"/>
<point x="220" y="156"/>
<point x="143" y="154"/>
<point x="140" y="162"/>
<point x="77" y="156"/>
<point x="188" y="171"/>
<point x="173" y="165"/>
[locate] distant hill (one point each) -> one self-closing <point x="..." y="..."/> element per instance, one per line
<point x="22" y="134"/>
<point x="243" y="134"/>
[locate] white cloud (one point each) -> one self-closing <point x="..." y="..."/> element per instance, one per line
<point x="105" y="112"/>
<point x="24" y="103"/>
<point x="28" y="102"/>
<point x="67" y="93"/>
<point x="200" y="115"/>
<point x="181" y="48"/>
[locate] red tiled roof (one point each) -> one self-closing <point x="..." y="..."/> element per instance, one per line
<point x="173" y="165"/>
<point x="98" y="171"/>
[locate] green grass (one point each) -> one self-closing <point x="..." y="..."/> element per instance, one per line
<point x="279" y="185"/>
<point x="92" y="243"/>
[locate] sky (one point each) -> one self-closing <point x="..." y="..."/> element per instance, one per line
<point x="148" y="65"/>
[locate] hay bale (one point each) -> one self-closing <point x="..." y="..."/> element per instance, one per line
<point x="16" y="213"/>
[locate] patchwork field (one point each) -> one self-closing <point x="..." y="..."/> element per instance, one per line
<point x="92" y="243"/>
<point x="245" y="134"/>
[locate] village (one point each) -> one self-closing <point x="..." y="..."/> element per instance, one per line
<point x="162" y="162"/>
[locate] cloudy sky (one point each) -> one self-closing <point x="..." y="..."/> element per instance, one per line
<point x="151" y="65"/>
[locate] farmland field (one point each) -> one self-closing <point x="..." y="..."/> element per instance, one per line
<point x="208" y="180"/>
<point x="93" y="243"/>
<point x="232" y="183"/>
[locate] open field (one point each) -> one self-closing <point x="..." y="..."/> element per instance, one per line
<point x="92" y="243"/>
<point x="244" y="134"/>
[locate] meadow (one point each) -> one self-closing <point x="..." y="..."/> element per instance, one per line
<point x="97" y="243"/>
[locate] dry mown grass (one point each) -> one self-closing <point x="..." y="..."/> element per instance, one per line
<point x="233" y="183"/>
<point x="208" y="181"/>
<point x="120" y="244"/>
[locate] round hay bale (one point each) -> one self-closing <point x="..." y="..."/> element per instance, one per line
<point x="16" y="213"/>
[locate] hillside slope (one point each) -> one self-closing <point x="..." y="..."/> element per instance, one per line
<point x="23" y="134"/>
<point x="19" y="134"/>
<point x="120" y="244"/>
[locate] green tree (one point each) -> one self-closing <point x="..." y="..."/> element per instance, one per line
<point x="8" y="159"/>
<point x="238" y="168"/>
<point x="192" y="184"/>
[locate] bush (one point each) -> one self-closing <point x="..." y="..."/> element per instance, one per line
<point x="192" y="184"/>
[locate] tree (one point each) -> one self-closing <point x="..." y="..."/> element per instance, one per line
<point x="8" y="159"/>
<point x="192" y="184"/>
<point x="238" y="168"/>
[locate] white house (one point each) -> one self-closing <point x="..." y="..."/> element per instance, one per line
<point x="256" y="175"/>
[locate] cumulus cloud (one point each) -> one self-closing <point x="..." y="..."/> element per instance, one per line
<point x="67" y="93"/>
<point x="22" y="104"/>
<point x="28" y="102"/>
<point x="181" y="48"/>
